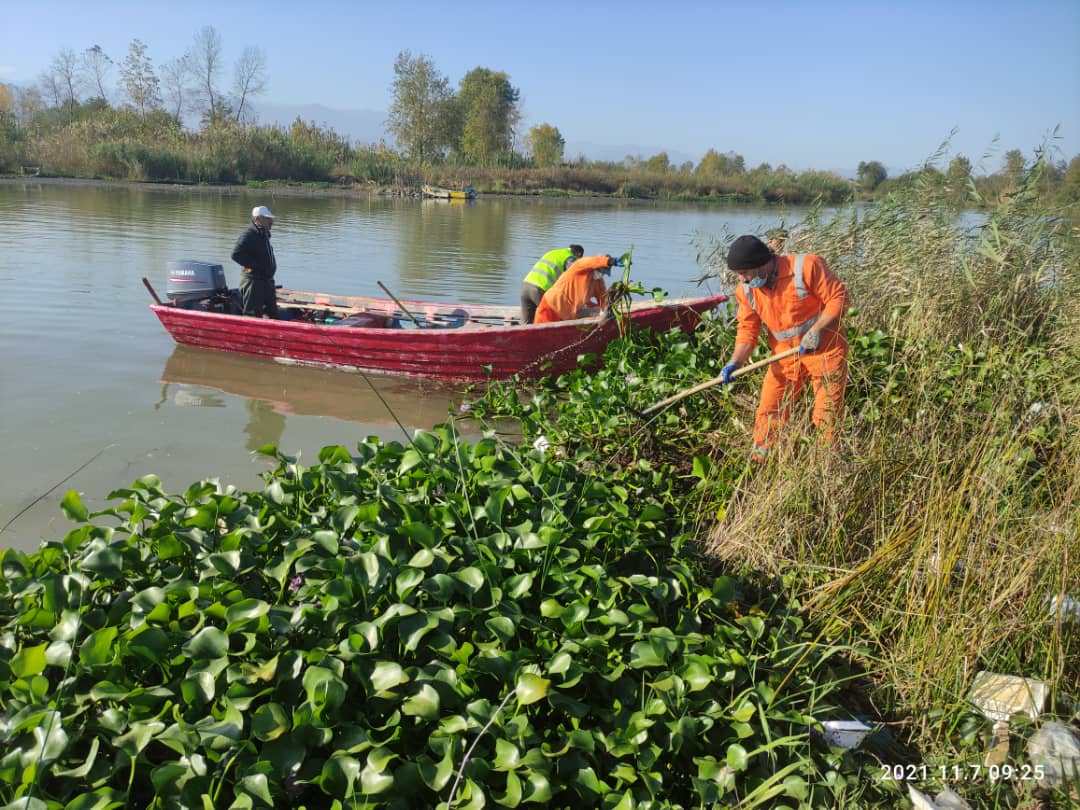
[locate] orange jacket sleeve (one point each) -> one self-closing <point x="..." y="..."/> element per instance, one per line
<point x="749" y="321"/>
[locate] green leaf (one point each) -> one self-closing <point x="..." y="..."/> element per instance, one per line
<point x="105" y="562"/>
<point x="208" y="643"/>
<point x="29" y="661"/>
<point x="518" y="586"/>
<point x="436" y="775"/>
<point x="73" y="507"/>
<point x="375" y="779"/>
<point x="97" y="649"/>
<point x="83" y="768"/>
<point x="737" y="757"/>
<point x="743" y="712"/>
<point x="507" y="755"/>
<point x="512" y="797"/>
<point x="325" y="690"/>
<point x="531" y="688"/>
<point x="339" y="774"/>
<point x="472" y="577"/>
<point x="244" y="611"/>
<point x="409" y="459"/>
<point x="387" y="675"/>
<point x="560" y="663"/>
<point x="753" y="625"/>
<point x="198" y="687"/>
<point x="100" y="799"/>
<point x="502" y="628"/>
<point x="138" y="737"/>
<point x="424" y="703"/>
<point x="537" y="788"/>
<point x="269" y="722"/>
<point x="342" y="521"/>
<point x="257" y="785"/>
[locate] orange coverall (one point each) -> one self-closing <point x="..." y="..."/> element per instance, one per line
<point x="573" y="291"/>
<point x="788" y="309"/>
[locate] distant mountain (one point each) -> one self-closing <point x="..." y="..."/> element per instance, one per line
<point x="360" y="127"/>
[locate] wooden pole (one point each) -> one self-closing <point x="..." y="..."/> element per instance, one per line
<point x="717" y="380"/>
<point x="150" y="289"/>
<point x="401" y="306"/>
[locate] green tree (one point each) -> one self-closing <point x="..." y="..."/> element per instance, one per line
<point x="1071" y="181"/>
<point x="488" y="106"/>
<point x="138" y="79"/>
<point x="715" y="164"/>
<point x="958" y="175"/>
<point x="659" y="163"/>
<point x="1013" y="167"/>
<point x="871" y="174"/>
<point x="420" y="112"/>
<point x="546" y="144"/>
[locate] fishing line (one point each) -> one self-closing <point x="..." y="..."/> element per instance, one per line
<point x="46" y="494"/>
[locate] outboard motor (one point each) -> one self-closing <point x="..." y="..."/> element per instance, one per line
<point x="193" y="284"/>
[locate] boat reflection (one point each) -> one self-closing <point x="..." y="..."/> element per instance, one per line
<point x="275" y="391"/>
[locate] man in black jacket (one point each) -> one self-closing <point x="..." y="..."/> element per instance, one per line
<point x="255" y="254"/>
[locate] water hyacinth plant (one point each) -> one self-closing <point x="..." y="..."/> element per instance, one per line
<point x="345" y="634"/>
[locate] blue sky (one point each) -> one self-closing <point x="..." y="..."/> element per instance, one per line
<point x="820" y="85"/>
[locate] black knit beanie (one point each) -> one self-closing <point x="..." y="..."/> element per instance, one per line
<point x="747" y="252"/>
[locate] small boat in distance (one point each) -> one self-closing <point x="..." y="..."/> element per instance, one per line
<point x="433" y="340"/>
<point x="440" y="193"/>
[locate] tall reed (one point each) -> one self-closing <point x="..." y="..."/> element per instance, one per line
<point x="951" y="518"/>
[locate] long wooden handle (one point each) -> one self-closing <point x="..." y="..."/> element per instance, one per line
<point x="146" y="283"/>
<point x="401" y="306"/>
<point x="717" y="380"/>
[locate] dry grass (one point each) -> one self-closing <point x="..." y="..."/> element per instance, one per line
<point x="951" y="518"/>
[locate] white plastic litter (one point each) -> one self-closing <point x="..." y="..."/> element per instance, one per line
<point x="845" y="733"/>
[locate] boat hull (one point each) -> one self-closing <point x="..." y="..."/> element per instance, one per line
<point x="475" y="351"/>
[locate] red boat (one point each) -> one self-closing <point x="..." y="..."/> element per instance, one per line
<point x="406" y="338"/>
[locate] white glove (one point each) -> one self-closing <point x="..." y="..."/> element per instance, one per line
<point x="810" y="342"/>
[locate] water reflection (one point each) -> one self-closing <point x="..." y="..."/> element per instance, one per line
<point x="275" y="391"/>
<point x="264" y="426"/>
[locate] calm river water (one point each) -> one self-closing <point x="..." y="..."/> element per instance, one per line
<point x="95" y="393"/>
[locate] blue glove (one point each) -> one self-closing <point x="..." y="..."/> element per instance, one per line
<point x="727" y="371"/>
<point x="810" y="342"/>
<point x="618" y="263"/>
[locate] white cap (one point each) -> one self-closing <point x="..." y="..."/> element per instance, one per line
<point x="261" y="211"/>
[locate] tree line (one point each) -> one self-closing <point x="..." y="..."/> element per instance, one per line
<point x="191" y="119"/>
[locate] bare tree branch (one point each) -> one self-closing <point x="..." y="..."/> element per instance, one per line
<point x="175" y="75"/>
<point x="65" y="70"/>
<point x="206" y="65"/>
<point x="250" y="78"/>
<point x="96" y="66"/>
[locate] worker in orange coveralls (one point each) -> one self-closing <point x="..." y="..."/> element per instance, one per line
<point x="577" y="292"/>
<point x="800" y="301"/>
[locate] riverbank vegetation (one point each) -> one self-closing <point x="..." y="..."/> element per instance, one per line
<point x="177" y="123"/>
<point x="602" y="610"/>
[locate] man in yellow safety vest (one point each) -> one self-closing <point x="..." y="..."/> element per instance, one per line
<point x="543" y="275"/>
